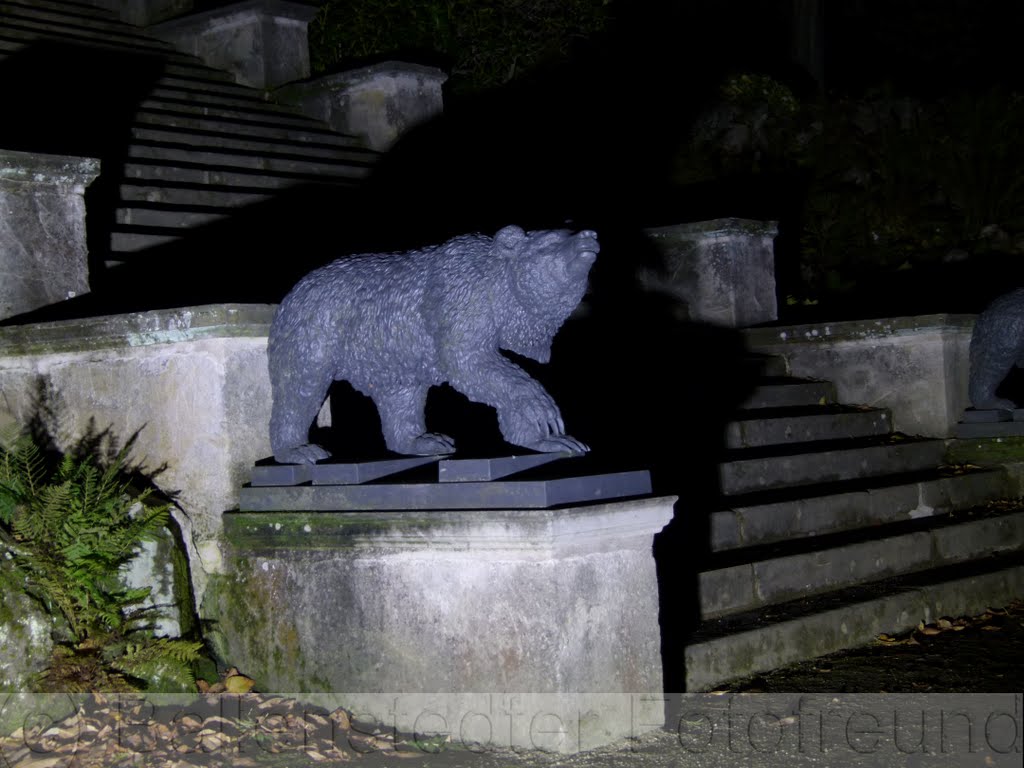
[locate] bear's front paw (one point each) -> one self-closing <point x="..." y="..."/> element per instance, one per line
<point x="534" y="419"/>
<point x="302" y="454"/>
<point x="559" y="443"/>
<point x="429" y="444"/>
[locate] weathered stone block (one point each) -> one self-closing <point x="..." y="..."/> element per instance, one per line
<point x="43" y="253"/>
<point x="914" y="366"/>
<point x="461" y="603"/>
<point x="723" y="270"/>
<point x="263" y="43"/>
<point x="191" y="382"/>
<point x="378" y="103"/>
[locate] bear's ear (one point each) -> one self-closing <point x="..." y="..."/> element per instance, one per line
<point x="508" y="238"/>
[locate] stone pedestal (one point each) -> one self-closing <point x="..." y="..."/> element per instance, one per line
<point x="378" y="103"/>
<point x="526" y="628"/>
<point x="263" y="43"/>
<point x="43" y="253"/>
<point x="723" y="270"/>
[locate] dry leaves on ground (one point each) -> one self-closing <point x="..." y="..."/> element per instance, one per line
<point x="247" y="729"/>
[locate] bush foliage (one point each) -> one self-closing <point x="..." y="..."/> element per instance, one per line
<point x="480" y="44"/>
<point x="70" y="527"/>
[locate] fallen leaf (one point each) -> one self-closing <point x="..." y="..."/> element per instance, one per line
<point x="238" y="684"/>
<point x="341" y="718"/>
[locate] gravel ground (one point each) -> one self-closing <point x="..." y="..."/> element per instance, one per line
<point x="943" y="695"/>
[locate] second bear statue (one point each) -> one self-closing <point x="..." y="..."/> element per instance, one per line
<point x="997" y="345"/>
<point x="393" y="325"/>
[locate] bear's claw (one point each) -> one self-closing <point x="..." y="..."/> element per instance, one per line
<point x="556" y="443"/>
<point x="430" y="444"/>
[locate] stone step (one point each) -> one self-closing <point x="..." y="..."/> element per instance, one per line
<point x="873" y="502"/>
<point x="782" y="426"/>
<point x="827" y="564"/>
<point x="220" y="141"/>
<point x="129" y="240"/>
<point x="152" y="191"/>
<point x="166" y="171"/>
<point x="14" y="37"/>
<point x="271" y="125"/>
<point x="70" y="21"/>
<point x="195" y="70"/>
<point x="170" y="216"/>
<point x="744" y="644"/>
<point x="178" y="82"/>
<point x="754" y="470"/>
<point x="196" y="95"/>
<point x="82" y="10"/>
<point x="786" y="392"/>
<point x="14" y="40"/>
<point x="230" y="159"/>
<point x="17" y="25"/>
<point x="771" y="366"/>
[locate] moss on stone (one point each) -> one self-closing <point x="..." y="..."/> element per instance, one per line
<point x="989" y="451"/>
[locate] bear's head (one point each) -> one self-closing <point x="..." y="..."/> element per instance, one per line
<point x="548" y="272"/>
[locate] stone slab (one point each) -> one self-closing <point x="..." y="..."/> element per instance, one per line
<point x="500" y="494"/>
<point x="334" y="473"/>
<point x="483" y="469"/>
<point x="354" y="473"/>
<point x="281" y="474"/>
<point x="987" y="416"/>
<point x="990" y="429"/>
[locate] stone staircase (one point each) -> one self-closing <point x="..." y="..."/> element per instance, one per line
<point x="835" y="528"/>
<point x="201" y="147"/>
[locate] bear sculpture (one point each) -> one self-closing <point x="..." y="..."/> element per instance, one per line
<point x="997" y="345"/>
<point x="393" y="325"/>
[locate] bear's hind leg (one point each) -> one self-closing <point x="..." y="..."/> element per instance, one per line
<point x="291" y="416"/>
<point x="403" y="424"/>
<point x="993" y="354"/>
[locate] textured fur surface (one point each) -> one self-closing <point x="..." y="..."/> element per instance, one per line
<point x="997" y="345"/>
<point x="393" y="325"/>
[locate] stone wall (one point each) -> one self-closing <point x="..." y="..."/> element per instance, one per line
<point x="722" y="270"/>
<point x="192" y="383"/>
<point x="43" y="254"/>
<point x="379" y="103"/>
<point x="915" y="366"/>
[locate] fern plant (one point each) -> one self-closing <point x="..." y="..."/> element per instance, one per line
<point x="71" y="528"/>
